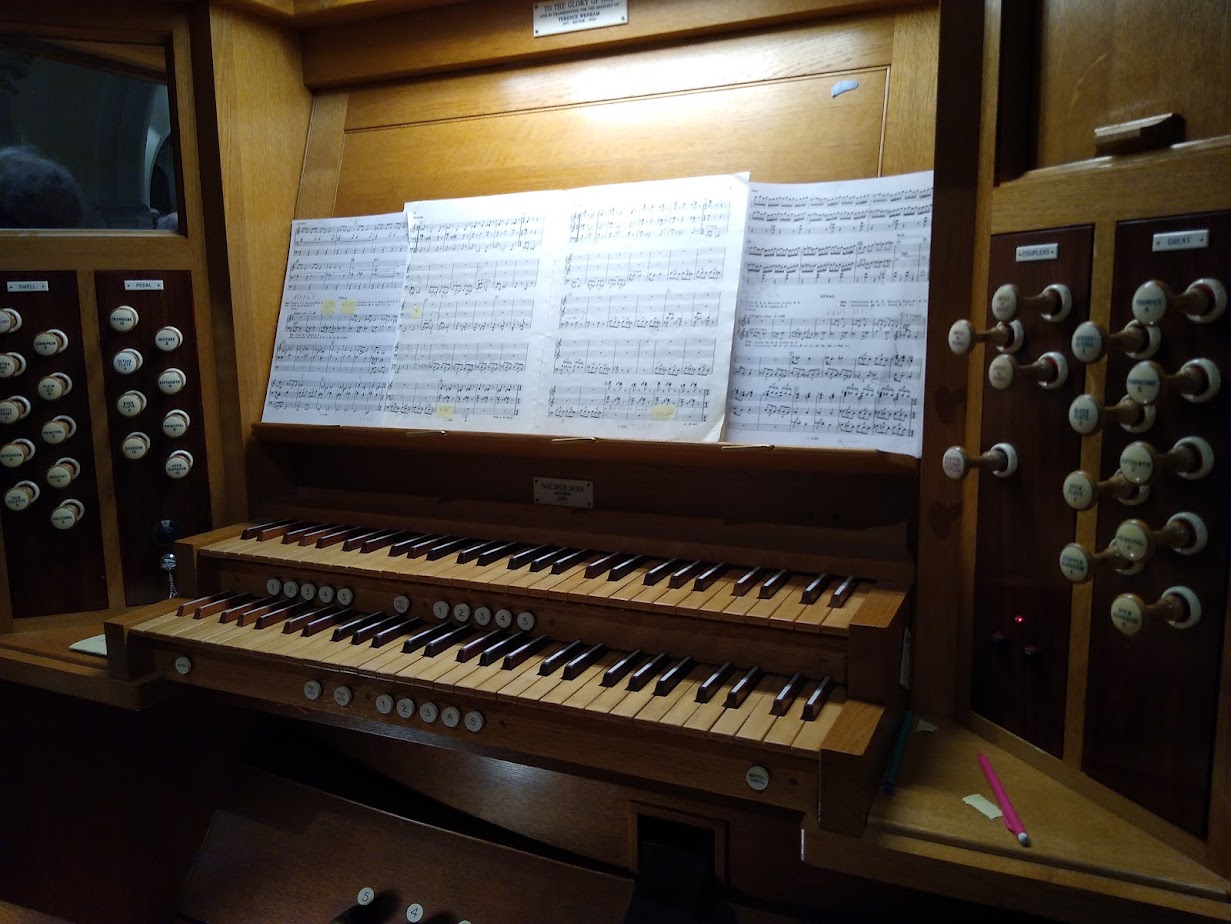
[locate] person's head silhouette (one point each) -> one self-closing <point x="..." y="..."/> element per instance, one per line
<point x="36" y="192"/>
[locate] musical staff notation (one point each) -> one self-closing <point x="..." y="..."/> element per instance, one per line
<point x="515" y="232"/>
<point x="442" y="403"/>
<point x="604" y="270"/>
<point x="617" y="400"/>
<point x="444" y="316"/>
<point x="671" y="358"/>
<point x="706" y="217"/>
<point x="464" y="359"/>
<point x="658" y="311"/>
<point x="452" y="278"/>
<point x="856" y="261"/>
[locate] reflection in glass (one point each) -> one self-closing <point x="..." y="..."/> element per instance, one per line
<point x="85" y="136"/>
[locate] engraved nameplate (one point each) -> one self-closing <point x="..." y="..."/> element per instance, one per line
<point x="564" y="492"/>
<point x="559" y="16"/>
<point x="142" y="285"/>
<point x="1031" y="253"/>
<point x="1197" y="239"/>
<point x="30" y="285"/>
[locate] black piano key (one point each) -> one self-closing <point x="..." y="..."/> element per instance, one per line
<point x="786" y="696"/>
<point x="518" y="655"/>
<point x="561" y="657"/>
<point x="746" y="581"/>
<point x="295" y="533"/>
<point x="495" y="552"/>
<point x="382" y="540"/>
<point x="620" y="669"/>
<point x="404" y="546"/>
<point x="310" y="537"/>
<point x="341" y="534"/>
<point x="266" y="530"/>
<point x="709" y="576"/>
<point x="268" y="611"/>
<point x="820" y="696"/>
<point x="523" y="557"/>
<point x="480" y="644"/>
<point x="647" y="672"/>
<point x="293" y="608"/>
<point x="322" y="622"/>
<point x="346" y="629"/>
<point x="843" y="592"/>
<point x="233" y="609"/>
<point x="583" y="660"/>
<point x="446" y="546"/>
<point x="671" y="678"/>
<point x="774" y="583"/>
<point x="660" y="571"/>
<point x="368" y="632"/>
<point x="686" y="573"/>
<point x="713" y="682"/>
<point x="603" y="564"/>
<point x="298" y="621"/>
<point x="230" y="601"/>
<point x="571" y="557"/>
<point x="356" y="539"/>
<point x="547" y="558"/>
<point x="495" y="652"/>
<point x="423" y="636"/>
<point x="624" y="568"/>
<point x="188" y="607"/>
<point x="815" y="588"/>
<point x="394" y="632"/>
<point x="741" y="688"/>
<point x="471" y="550"/>
<point x="448" y="640"/>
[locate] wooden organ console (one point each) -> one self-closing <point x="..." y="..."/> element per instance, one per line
<point x="701" y="677"/>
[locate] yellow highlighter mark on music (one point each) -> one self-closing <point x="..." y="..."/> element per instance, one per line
<point x="444" y="411"/>
<point x="348" y="306"/>
<point x="416" y="311"/>
<point x="329" y="306"/>
<point x="663" y="412"/>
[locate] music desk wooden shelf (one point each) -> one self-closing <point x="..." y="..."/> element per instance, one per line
<point x="36" y="653"/>
<point x="1084" y="862"/>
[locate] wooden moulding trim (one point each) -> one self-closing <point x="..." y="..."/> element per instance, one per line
<point x="457" y="37"/>
<point x="852" y="760"/>
<point x="65" y="677"/>
<point x="702" y="455"/>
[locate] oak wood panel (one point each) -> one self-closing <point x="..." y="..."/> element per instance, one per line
<point x="454" y="38"/>
<point x="816" y="138"/>
<point x="318" y="187"/>
<point x="261" y="111"/>
<point x="1103" y="64"/>
<point x="910" y="110"/>
<point x="830" y="47"/>
<point x="1151" y="701"/>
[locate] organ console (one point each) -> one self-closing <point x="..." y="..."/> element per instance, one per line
<point x="678" y="700"/>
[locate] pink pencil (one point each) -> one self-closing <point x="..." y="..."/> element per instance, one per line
<point x="1011" y="821"/>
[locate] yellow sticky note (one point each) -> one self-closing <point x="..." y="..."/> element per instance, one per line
<point x="348" y="306"/>
<point x="416" y="311"/>
<point x="329" y="306"/>
<point x="663" y="412"/>
<point x="444" y="411"/>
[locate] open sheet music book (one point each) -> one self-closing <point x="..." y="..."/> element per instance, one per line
<point x="695" y="309"/>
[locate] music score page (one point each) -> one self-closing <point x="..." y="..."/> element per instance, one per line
<point x="338" y="322"/>
<point x="829" y="339"/>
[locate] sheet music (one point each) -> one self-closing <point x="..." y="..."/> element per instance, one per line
<point x="337" y="326"/>
<point x="642" y="309"/>
<point x="470" y="335"/>
<point x="829" y="338"/>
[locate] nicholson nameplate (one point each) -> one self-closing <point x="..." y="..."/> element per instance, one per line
<point x="559" y="16"/>
<point x="564" y="492"/>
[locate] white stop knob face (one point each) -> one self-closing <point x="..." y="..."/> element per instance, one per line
<point x="67" y="514"/>
<point x="504" y="618"/>
<point x="414" y="913"/>
<point x="58" y="430"/>
<point x="1128" y="614"/>
<point x="1137" y="462"/>
<point x="1001" y="371"/>
<point x="1075" y="563"/>
<point x="474" y="721"/>
<point x="1085" y="414"/>
<point x="123" y="319"/>
<point x="1004" y="303"/>
<point x="1150" y="302"/>
<point x="955" y="462"/>
<point x="50" y="342"/>
<point x="1145" y="382"/>
<point x="324" y="593"/>
<point x="127" y="361"/>
<point x="168" y="338"/>
<point x="1089" y="342"/>
<point x="1080" y="492"/>
<point x="16" y="453"/>
<point x="405" y="707"/>
<point x="55" y="386"/>
<point x="10" y="320"/>
<point x="429" y="713"/>
<point x="346" y="596"/>
<point x="961" y="337"/>
<point x="11" y="365"/>
<point x="273" y="587"/>
<point x="401" y="604"/>
<point x="482" y="616"/>
<point x="175" y="424"/>
<point x="307" y="591"/>
<point x="61" y="474"/>
<point x="13" y="409"/>
<point x="183" y="665"/>
<point x="21" y="495"/>
<point x="172" y="381"/>
<point x="757" y="778"/>
<point x="343" y="696"/>
<point x="178" y="464"/>
<point x="461" y="612"/>
<point x="384" y="704"/>
<point x="290" y="589"/>
<point x="135" y="446"/>
<point x="130" y="404"/>
<point x="366" y="896"/>
<point x="1132" y="540"/>
<point x="525" y="621"/>
<point x="450" y="716"/>
<point x="313" y="690"/>
<point x="440" y="609"/>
